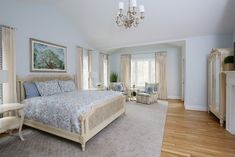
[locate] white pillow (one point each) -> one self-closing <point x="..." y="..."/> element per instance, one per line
<point x="48" y="88"/>
<point x="67" y="86"/>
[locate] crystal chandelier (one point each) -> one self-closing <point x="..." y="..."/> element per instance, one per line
<point x="131" y="19"/>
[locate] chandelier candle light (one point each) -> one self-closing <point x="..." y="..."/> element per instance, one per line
<point x="131" y="19"/>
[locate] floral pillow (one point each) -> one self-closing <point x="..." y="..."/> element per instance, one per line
<point x="119" y="87"/>
<point x="149" y="90"/>
<point x="67" y="86"/>
<point x="48" y="88"/>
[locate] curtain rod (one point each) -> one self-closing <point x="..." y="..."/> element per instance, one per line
<point x="85" y="48"/>
<point x="104" y="53"/>
<point x="143" y="53"/>
<point x="8" y="27"/>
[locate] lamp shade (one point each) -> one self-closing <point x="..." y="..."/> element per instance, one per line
<point x="3" y="76"/>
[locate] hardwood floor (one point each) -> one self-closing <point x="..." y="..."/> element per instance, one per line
<point x="195" y="134"/>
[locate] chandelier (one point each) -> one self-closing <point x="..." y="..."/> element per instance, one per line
<point x="131" y="19"/>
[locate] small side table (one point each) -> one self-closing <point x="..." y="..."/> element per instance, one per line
<point x="133" y="93"/>
<point x="12" y="122"/>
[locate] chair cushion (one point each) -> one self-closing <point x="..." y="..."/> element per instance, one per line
<point x="143" y="94"/>
<point x="67" y="86"/>
<point x="31" y="90"/>
<point x="48" y="88"/>
<point x="146" y="98"/>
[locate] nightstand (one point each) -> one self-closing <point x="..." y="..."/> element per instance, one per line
<point x="12" y="122"/>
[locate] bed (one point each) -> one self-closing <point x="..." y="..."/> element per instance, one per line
<point x="77" y="115"/>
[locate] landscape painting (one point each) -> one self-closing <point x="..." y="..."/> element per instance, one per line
<point x="47" y="57"/>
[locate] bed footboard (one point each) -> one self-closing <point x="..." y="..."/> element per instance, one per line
<point x="99" y="117"/>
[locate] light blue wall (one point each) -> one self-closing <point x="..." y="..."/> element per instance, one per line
<point x="197" y="51"/>
<point x="233" y="36"/>
<point x="173" y="64"/>
<point x="44" y="22"/>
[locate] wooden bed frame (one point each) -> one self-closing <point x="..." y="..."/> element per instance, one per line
<point x="90" y="123"/>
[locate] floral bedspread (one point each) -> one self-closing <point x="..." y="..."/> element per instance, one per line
<point x="63" y="110"/>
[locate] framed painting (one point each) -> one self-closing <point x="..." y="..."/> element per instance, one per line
<point x="47" y="57"/>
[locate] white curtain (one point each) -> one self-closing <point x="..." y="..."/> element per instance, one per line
<point x="108" y="71"/>
<point x="79" y="74"/>
<point x="104" y="69"/>
<point x="160" y="67"/>
<point x="101" y="70"/>
<point x="125" y="73"/>
<point x="8" y="54"/>
<point x="90" y="68"/>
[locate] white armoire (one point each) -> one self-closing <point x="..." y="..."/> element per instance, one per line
<point x="217" y="83"/>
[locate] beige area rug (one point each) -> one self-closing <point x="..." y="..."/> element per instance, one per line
<point x="139" y="133"/>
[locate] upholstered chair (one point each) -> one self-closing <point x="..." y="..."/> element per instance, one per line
<point x="149" y="95"/>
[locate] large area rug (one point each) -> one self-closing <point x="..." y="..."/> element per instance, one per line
<point x="139" y="133"/>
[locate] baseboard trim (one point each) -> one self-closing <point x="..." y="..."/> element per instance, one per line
<point x="174" y="97"/>
<point x="195" y="108"/>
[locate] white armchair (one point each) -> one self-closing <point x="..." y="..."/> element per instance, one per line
<point x="148" y="98"/>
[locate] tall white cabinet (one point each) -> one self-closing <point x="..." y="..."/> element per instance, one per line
<point x="216" y="83"/>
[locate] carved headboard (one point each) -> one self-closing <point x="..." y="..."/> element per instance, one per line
<point x="38" y="78"/>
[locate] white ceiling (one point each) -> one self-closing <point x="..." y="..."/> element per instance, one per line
<point x="165" y="20"/>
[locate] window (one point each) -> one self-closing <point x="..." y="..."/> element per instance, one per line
<point x="142" y="69"/>
<point x="85" y="70"/>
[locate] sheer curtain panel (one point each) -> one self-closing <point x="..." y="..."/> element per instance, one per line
<point x="79" y="74"/>
<point x="104" y="69"/>
<point x="90" y="68"/>
<point x="125" y="73"/>
<point x="8" y="54"/>
<point x="1" y="96"/>
<point x="101" y="70"/>
<point x="161" y="62"/>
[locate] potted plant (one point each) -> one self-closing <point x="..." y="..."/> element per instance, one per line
<point x="113" y="77"/>
<point x="228" y="63"/>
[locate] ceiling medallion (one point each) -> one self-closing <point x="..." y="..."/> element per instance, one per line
<point x="131" y="19"/>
